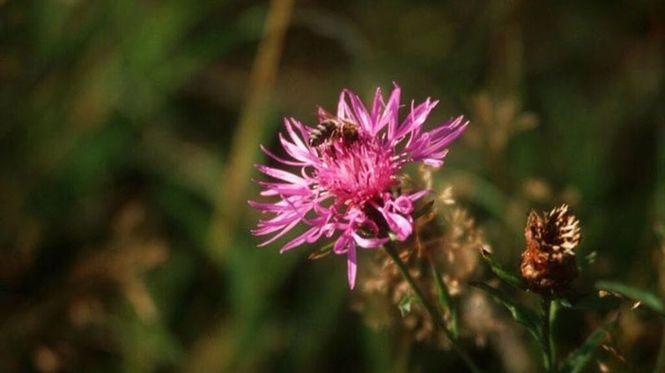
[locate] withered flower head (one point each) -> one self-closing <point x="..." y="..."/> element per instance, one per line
<point x="548" y="262"/>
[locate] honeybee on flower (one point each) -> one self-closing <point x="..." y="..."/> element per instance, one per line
<point x="348" y="168"/>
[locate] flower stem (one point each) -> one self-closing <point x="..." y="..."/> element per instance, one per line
<point x="433" y="312"/>
<point x="549" y="348"/>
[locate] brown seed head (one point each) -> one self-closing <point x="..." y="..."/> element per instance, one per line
<point x="548" y="262"/>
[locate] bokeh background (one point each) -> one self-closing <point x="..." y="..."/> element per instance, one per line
<point x="129" y="130"/>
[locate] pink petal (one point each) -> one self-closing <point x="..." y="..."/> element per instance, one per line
<point x="403" y="205"/>
<point x="363" y="118"/>
<point x="298" y="240"/>
<point x="418" y="195"/>
<point x="281" y="175"/>
<point x="377" y="104"/>
<point x="342" y="244"/>
<point x="398" y="224"/>
<point x="343" y="110"/>
<point x="369" y="243"/>
<point x="289" y="124"/>
<point x="391" y="111"/>
<point x="300" y="153"/>
<point x="352" y="267"/>
<point x="435" y="163"/>
<point x="280" y="234"/>
<point x="415" y="119"/>
<point x="281" y="160"/>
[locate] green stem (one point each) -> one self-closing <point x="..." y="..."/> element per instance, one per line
<point x="433" y="312"/>
<point x="554" y="307"/>
<point x="549" y="348"/>
<point x="444" y="301"/>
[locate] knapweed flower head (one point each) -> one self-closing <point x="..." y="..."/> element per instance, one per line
<point x="548" y="262"/>
<point x="346" y="183"/>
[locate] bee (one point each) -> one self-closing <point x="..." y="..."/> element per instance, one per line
<point x="333" y="128"/>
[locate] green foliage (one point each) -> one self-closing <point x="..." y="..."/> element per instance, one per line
<point x="425" y="209"/>
<point x="446" y="302"/>
<point x="578" y="359"/>
<point x="503" y="274"/>
<point x="520" y="313"/>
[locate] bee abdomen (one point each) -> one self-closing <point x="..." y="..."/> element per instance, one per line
<point x="321" y="133"/>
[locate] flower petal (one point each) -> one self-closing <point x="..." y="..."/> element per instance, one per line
<point x="397" y="223"/>
<point x="352" y="267"/>
<point x="377" y="105"/>
<point x="369" y="243"/>
<point x="361" y="115"/>
<point x="403" y="205"/>
<point x="391" y="112"/>
<point x="342" y="244"/>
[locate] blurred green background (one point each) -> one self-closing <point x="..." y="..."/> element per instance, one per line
<point x="129" y="130"/>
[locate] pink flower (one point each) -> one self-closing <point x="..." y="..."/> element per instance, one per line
<point x="348" y="169"/>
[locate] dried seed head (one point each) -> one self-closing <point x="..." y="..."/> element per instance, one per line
<point x="548" y="262"/>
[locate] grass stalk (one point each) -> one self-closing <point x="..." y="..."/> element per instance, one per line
<point x="236" y="177"/>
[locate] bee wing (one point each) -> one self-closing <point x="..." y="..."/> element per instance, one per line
<point x="325" y="116"/>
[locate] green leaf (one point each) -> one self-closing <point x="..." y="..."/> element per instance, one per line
<point x="521" y="314"/>
<point x="579" y="358"/>
<point x="502" y="273"/>
<point x="446" y="302"/>
<point x="423" y="210"/>
<point x="645" y="298"/>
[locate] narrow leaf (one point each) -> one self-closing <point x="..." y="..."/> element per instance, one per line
<point x="579" y="358"/>
<point x="645" y="298"/>
<point x="425" y="209"/>
<point x="322" y="252"/>
<point x="446" y="302"/>
<point x="521" y="314"/>
<point x="502" y="273"/>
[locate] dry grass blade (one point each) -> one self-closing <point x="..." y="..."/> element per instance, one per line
<point x="236" y="177"/>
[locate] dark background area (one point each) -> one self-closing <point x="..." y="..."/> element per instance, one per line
<point x="129" y="130"/>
